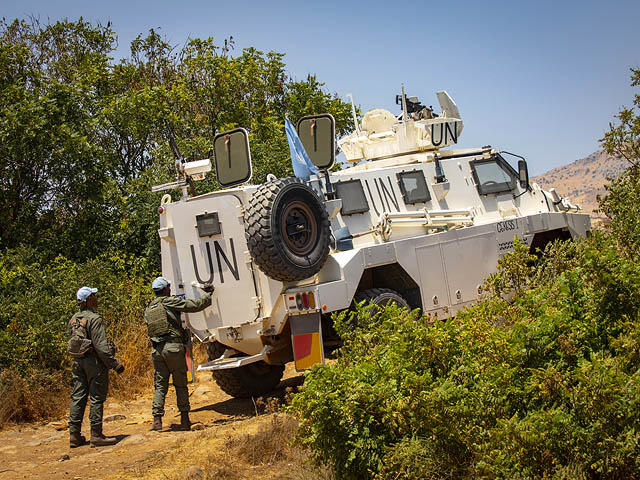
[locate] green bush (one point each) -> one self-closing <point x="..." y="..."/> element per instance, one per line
<point x="622" y="205"/>
<point x="546" y="385"/>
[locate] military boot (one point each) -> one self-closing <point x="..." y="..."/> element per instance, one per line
<point x="99" y="440"/>
<point x="76" y="440"/>
<point x="157" y="424"/>
<point x="185" y="422"/>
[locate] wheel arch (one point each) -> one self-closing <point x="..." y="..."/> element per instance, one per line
<point x="394" y="277"/>
<point x="542" y="239"/>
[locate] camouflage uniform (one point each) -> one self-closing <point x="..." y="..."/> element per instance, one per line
<point x="168" y="352"/>
<point x="90" y="374"/>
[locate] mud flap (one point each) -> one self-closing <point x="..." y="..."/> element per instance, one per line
<point x="188" y="353"/>
<point x="306" y="338"/>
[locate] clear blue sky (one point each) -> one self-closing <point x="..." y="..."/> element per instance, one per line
<point x="542" y="79"/>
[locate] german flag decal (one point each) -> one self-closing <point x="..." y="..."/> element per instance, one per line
<point x="307" y="350"/>
<point x="306" y="337"/>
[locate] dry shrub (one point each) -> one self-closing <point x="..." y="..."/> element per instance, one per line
<point x="242" y="450"/>
<point x="269" y="445"/>
<point x="200" y="353"/>
<point x="222" y="465"/>
<point x="134" y="352"/>
<point x="38" y="396"/>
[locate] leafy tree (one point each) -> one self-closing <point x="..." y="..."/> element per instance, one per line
<point x="623" y="140"/>
<point x="190" y="95"/>
<point x="51" y="167"/>
<point x="622" y="201"/>
<point x="83" y="139"/>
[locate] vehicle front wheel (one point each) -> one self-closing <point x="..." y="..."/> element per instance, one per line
<point x="252" y="380"/>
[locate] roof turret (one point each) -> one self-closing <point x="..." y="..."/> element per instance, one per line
<point x="383" y="135"/>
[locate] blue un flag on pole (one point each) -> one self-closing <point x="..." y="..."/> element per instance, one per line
<point x="302" y="165"/>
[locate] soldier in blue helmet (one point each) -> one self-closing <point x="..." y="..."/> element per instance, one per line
<point x="168" y="339"/>
<point x="92" y="356"/>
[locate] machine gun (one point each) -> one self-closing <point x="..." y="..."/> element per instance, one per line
<point x="414" y="108"/>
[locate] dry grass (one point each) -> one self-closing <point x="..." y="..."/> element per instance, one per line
<point x="34" y="398"/>
<point x="200" y="354"/>
<point x="244" y="450"/>
<point x="134" y="352"/>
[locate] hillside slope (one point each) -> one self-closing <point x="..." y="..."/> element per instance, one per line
<point x="583" y="179"/>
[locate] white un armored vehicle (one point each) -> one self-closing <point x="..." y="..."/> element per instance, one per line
<point x="408" y="222"/>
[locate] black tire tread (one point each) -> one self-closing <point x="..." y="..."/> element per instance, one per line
<point x="372" y="294"/>
<point x="234" y="381"/>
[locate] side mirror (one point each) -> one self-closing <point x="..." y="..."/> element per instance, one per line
<point x="318" y="136"/>
<point x="232" y="157"/>
<point x="523" y="174"/>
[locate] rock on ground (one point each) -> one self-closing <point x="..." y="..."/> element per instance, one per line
<point x="133" y="440"/>
<point x="113" y="418"/>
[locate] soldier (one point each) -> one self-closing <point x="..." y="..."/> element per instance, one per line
<point x="92" y="359"/>
<point x="169" y="338"/>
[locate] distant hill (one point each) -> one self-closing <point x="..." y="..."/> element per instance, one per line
<point x="583" y="179"/>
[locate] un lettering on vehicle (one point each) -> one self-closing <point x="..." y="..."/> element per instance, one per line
<point x="215" y="261"/>
<point x="386" y="200"/>
<point x="443" y="134"/>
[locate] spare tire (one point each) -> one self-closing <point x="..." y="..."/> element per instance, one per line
<point x="287" y="230"/>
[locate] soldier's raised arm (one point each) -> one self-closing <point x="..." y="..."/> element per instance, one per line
<point x="188" y="305"/>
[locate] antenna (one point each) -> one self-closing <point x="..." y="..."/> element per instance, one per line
<point x="404" y="104"/>
<point x="353" y="113"/>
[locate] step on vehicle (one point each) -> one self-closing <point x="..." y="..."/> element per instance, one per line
<point x="407" y="222"/>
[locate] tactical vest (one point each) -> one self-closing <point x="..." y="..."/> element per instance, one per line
<point x="158" y="324"/>
<point x="79" y="343"/>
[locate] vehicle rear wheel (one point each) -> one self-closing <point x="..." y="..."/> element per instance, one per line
<point x="287" y="230"/>
<point x="251" y="380"/>
<point x="380" y="297"/>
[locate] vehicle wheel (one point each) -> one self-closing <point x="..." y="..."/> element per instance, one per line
<point x="244" y="382"/>
<point x="380" y="297"/>
<point x="287" y="230"/>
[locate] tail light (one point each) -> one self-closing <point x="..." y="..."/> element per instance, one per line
<point x="300" y="301"/>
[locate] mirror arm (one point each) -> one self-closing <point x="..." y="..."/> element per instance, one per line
<point x="192" y="187"/>
<point x="177" y="156"/>
<point x="331" y="194"/>
<point x="522" y="161"/>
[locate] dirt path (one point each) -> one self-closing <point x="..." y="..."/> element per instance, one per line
<point x="42" y="452"/>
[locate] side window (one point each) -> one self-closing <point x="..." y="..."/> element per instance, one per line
<point x="493" y="175"/>
<point x="352" y="195"/>
<point x="413" y="187"/>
